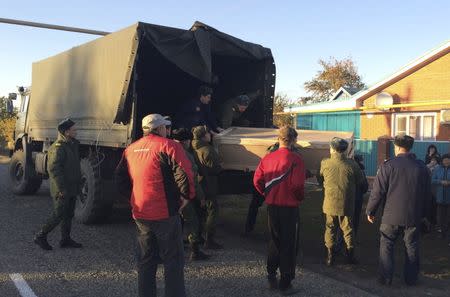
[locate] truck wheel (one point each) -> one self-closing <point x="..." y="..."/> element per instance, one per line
<point x="92" y="205"/>
<point x="20" y="184"/>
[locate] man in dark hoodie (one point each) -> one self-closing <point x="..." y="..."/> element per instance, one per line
<point x="65" y="184"/>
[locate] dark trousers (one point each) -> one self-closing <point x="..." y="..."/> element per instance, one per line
<point x="389" y="235"/>
<point x="283" y="245"/>
<point x="63" y="211"/>
<point x="443" y="219"/>
<point x="160" y="241"/>
<point x="253" y="208"/>
<point x="357" y="215"/>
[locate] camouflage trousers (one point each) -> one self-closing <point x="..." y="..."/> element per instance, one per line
<point x="212" y="213"/>
<point x="332" y="224"/>
<point x="191" y="216"/>
<point x="63" y="211"/>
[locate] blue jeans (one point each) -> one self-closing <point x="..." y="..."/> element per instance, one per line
<point x="160" y="242"/>
<point x="389" y="235"/>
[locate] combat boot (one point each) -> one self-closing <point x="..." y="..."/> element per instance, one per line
<point x="197" y="254"/>
<point x="350" y="257"/>
<point x="69" y="243"/>
<point x="211" y="244"/>
<point x="41" y="241"/>
<point x="330" y="257"/>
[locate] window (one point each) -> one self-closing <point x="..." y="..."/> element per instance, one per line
<point x="421" y="126"/>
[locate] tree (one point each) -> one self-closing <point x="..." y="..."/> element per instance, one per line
<point x="280" y="102"/>
<point x="334" y="74"/>
<point x="7" y="123"/>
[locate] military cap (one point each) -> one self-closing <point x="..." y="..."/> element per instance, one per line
<point x="199" y="132"/>
<point x="243" y="100"/>
<point x="339" y="145"/>
<point x="404" y="141"/>
<point x="65" y="125"/>
<point x="182" y="134"/>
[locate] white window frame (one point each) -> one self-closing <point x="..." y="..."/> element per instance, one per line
<point x="415" y="114"/>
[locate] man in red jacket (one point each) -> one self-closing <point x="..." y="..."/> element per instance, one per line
<point x="162" y="183"/>
<point x="280" y="178"/>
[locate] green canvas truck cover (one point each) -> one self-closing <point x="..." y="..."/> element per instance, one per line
<point x="91" y="83"/>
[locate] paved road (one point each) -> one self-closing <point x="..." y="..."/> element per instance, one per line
<point x="105" y="267"/>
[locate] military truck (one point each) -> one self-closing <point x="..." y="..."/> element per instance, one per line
<point x="109" y="84"/>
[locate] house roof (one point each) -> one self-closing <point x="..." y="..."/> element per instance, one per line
<point x="357" y="99"/>
<point x="347" y="90"/>
<point x="410" y="68"/>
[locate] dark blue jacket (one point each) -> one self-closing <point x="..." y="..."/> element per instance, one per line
<point x="194" y="113"/>
<point x="403" y="187"/>
<point x="442" y="193"/>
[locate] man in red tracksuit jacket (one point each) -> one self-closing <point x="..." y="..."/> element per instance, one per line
<point x="162" y="183"/>
<point x="280" y="178"/>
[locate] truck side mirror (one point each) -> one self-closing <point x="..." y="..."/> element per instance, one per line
<point x="12" y="96"/>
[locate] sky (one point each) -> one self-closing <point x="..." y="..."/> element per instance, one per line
<point x="380" y="36"/>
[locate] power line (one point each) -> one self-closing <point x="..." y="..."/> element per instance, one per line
<point x="53" y="27"/>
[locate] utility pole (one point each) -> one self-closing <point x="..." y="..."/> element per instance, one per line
<point x="52" y="27"/>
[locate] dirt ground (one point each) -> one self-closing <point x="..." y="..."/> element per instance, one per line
<point x="435" y="253"/>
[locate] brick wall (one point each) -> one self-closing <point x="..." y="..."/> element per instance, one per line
<point x="430" y="83"/>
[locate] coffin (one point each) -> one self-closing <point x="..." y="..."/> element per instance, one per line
<point x="243" y="148"/>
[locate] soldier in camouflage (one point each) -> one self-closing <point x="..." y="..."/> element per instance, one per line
<point x="65" y="184"/>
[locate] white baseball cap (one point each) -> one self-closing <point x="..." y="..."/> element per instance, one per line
<point x="153" y="121"/>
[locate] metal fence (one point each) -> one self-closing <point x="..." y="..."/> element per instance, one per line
<point x="369" y="150"/>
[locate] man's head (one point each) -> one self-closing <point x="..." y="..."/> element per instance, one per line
<point x="446" y="160"/>
<point x="205" y="94"/>
<point x="155" y="124"/>
<point x="338" y="145"/>
<point x="201" y="133"/>
<point x="287" y="136"/>
<point x="242" y="101"/>
<point x="67" y="128"/>
<point x="182" y="135"/>
<point x="403" y="143"/>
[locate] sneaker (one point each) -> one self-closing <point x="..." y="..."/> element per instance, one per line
<point x="43" y="243"/>
<point x="70" y="243"/>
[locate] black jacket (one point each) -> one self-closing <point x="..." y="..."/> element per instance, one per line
<point x="194" y="113"/>
<point x="403" y="187"/>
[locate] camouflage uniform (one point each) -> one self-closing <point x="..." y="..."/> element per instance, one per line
<point x="65" y="177"/>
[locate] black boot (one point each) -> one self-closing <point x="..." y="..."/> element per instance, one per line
<point x="41" y="240"/>
<point x="350" y="256"/>
<point x="69" y="243"/>
<point x="211" y="244"/>
<point x="330" y="257"/>
<point x="197" y="254"/>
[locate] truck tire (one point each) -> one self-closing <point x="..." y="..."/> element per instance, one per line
<point x="92" y="205"/>
<point x="20" y="184"/>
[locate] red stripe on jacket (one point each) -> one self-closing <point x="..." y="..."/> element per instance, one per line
<point x="280" y="178"/>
